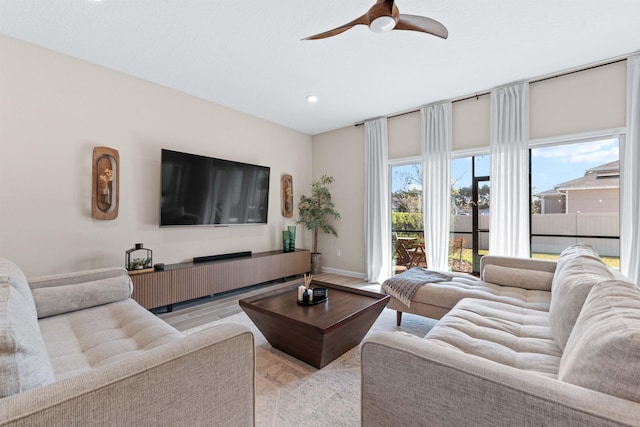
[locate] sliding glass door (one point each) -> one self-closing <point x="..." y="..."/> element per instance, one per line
<point x="470" y="210"/>
<point x="481" y="214"/>
<point x="407" y="230"/>
<point x="469" y="230"/>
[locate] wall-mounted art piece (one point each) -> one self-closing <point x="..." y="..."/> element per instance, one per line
<point x="105" y="188"/>
<point x="287" y="196"/>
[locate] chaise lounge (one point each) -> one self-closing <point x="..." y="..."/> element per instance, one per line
<point x="505" y="359"/>
<point x="502" y="282"/>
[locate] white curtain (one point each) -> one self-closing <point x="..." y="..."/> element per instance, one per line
<point x="509" y="139"/>
<point x="377" y="208"/>
<point x="436" y="182"/>
<point x="630" y="178"/>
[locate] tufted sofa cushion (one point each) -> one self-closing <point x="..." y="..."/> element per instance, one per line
<point x="579" y="269"/>
<point x="447" y="294"/>
<point x="515" y="336"/>
<point x="86" y="339"/>
<point x="603" y="351"/>
<point x="24" y="362"/>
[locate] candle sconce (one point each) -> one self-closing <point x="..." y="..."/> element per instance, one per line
<point x="105" y="188"/>
<point x="287" y="196"/>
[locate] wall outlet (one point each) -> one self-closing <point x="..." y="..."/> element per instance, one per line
<point x="338" y="252"/>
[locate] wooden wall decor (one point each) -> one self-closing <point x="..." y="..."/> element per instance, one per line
<point x="105" y="188"/>
<point x="287" y="196"/>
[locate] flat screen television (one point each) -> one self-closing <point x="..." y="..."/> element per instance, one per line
<point x="199" y="190"/>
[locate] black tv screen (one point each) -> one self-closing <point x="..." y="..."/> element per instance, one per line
<point x="199" y="190"/>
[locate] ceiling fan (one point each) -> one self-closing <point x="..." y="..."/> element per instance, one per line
<point x="384" y="16"/>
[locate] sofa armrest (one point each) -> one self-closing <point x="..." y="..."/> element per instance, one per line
<point x="411" y="381"/>
<point x="207" y="378"/>
<point x="76" y="277"/>
<point x="63" y="293"/>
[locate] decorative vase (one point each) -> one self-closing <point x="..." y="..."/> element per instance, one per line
<point x="292" y="238"/>
<point x="316" y="263"/>
<point x="285" y="241"/>
<point x="289" y="239"/>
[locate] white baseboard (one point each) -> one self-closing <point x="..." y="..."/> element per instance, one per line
<point x="344" y="272"/>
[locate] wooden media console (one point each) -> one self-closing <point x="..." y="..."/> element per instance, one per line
<point x="186" y="281"/>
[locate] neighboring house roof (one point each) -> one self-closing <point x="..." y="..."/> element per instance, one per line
<point x="550" y="193"/>
<point x="603" y="176"/>
<point x="611" y="168"/>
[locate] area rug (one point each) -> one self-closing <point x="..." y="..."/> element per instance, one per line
<point x="291" y="393"/>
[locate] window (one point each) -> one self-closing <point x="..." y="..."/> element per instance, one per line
<point x="576" y="198"/>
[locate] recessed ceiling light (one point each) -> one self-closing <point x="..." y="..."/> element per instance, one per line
<point x="312" y="98"/>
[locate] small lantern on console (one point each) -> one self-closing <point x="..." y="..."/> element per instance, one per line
<point x="138" y="258"/>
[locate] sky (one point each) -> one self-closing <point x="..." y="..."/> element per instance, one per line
<point x="554" y="165"/>
<point x="550" y="165"/>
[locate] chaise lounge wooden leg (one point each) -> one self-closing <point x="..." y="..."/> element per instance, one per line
<point x="398" y="317"/>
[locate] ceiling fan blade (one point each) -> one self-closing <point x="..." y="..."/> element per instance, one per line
<point x="423" y="24"/>
<point x="362" y="20"/>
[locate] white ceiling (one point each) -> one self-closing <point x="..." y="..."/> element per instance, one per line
<point x="248" y="54"/>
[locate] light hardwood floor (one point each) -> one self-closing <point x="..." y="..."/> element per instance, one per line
<point x="194" y="313"/>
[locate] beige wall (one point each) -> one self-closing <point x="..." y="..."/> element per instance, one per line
<point x="341" y="155"/>
<point x="576" y="103"/>
<point x="54" y="109"/>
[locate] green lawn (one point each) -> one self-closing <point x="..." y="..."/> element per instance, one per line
<point x="613" y="262"/>
<point x="467" y="255"/>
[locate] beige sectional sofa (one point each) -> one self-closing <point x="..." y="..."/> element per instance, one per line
<point x="566" y="352"/>
<point x="75" y="350"/>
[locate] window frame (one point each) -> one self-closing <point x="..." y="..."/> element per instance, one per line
<point x="619" y="133"/>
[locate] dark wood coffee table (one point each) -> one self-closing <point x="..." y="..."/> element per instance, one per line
<point x="315" y="334"/>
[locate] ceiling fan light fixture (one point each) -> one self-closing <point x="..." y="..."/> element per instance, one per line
<point x="382" y="24"/>
<point x="312" y="99"/>
<point x="384" y="16"/>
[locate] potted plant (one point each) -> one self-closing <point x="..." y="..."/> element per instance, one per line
<point x="316" y="212"/>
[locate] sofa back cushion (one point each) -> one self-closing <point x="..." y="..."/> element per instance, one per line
<point x="24" y="361"/>
<point x="603" y="351"/>
<point x="577" y="250"/>
<point x="536" y="280"/>
<point x="579" y="269"/>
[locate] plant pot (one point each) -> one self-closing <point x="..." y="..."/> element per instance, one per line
<point x="316" y="263"/>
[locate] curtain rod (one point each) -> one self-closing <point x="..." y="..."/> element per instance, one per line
<point x="536" y="80"/>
